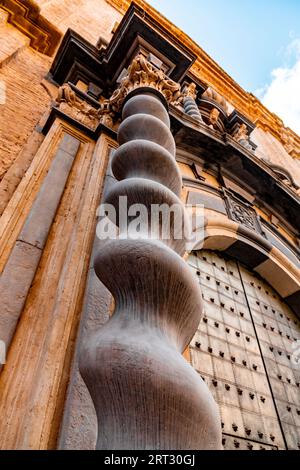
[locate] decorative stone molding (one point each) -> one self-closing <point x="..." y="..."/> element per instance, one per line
<point x="287" y="140"/>
<point x="214" y="110"/>
<point x="214" y="96"/>
<point x="242" y="213"/>
<point x="25" y="16"/>
<point x="56" y="293"/>
<point x="284" y="175"/>
<point x="69" y="103"/>
<point x="146" y="395"/>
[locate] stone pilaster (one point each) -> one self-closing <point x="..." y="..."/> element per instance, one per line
<point x="21" y="267"/>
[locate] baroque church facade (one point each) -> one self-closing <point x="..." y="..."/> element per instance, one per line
<point x="139" y="343"/>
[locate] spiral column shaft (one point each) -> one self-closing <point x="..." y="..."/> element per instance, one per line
<point x="145" y="393"/>
<point x="190" y="107"/>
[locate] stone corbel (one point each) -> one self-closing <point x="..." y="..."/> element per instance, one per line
<point x="287" y="140"/>
<point x="214" y="110"/>
<point x="212" y="95"/>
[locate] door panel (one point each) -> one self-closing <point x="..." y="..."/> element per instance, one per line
<point x="243" y="350"/>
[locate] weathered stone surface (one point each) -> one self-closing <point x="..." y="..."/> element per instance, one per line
<point x="16" y="171"/>
<point x="40" y="218"/>
<point x="90" y="18"/>
<point x="11" y="40"/>
<point x="14" y="285"/>
<point x="43" y="344"/>
<point x="79" y="425"/>
<point x="17" y="276"/>
<point x="22" y="69"/>
<point x="271" y="150"/>
<point x="25" y="16"/>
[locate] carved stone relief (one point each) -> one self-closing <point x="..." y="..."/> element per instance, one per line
<point x="240" y="134"/>
<point x="214" y="96"/>
<point x="242" y="212"/>
<point x="69" y="103"/>
<point x="213" y="117"/>
<point x="141" y="73"/>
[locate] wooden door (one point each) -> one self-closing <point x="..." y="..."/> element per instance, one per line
<point x="243" y="349"/>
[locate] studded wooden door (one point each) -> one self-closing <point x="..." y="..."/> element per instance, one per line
<point x="243" y="350"/>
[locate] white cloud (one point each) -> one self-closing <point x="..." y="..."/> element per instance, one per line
<point x="282" y="95"/>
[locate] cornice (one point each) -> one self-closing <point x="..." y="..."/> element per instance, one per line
<point x="25" y="16"/>
<point x="207" y="70"/>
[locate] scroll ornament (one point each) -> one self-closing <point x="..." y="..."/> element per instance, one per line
<point x="69" y="103"/>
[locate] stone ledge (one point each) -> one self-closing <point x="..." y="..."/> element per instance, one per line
<point x="25" y="16"/>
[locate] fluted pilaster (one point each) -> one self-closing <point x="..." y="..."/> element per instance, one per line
<point x="145" y="393"/>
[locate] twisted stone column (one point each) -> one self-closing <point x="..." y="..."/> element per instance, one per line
<point x="189" y="102"/>
<point x="190" y="107"/>
<point x="145" y="393"/>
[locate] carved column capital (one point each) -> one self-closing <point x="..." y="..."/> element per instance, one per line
<point x="190" y="91"/>
<point x="139" y="74"/>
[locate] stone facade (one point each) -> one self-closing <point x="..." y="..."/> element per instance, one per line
<point x="81" y="99"/>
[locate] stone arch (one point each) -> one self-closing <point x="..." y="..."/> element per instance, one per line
<point x="283" y="174"/>
<point x="255" y="252"/>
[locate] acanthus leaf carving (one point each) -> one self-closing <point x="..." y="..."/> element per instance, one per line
<point x="141" y="73"/>
<point x="190" y="91"/>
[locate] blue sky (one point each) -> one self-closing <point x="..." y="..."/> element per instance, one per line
<point x="256" y="41"/>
